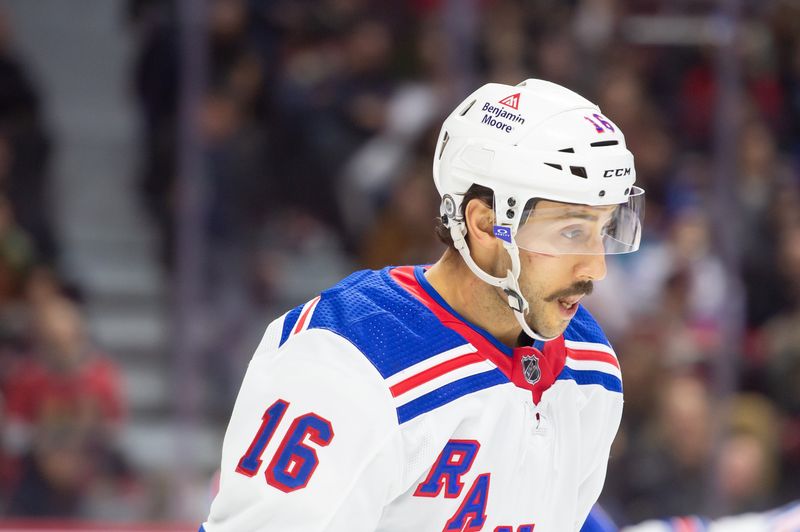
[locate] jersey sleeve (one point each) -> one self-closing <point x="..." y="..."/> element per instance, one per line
<point x="312" y="441"/>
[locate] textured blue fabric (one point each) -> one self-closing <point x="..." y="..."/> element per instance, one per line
<point x="394" y="331"/>
<point x="419" y="275"/>
<point x="386" y="323"/>
<point x="606" y="380"/>
<point x="584" y="328"/>
<point x="289" y="322"/>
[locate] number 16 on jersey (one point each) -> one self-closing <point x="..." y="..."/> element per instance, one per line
<point x="294" y="462"/>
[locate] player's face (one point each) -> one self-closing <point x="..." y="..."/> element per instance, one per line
<point x="554" y="284"/>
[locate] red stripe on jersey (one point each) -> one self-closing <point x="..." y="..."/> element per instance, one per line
<point x="550" y="362"/>
<point x="436" y="371"/>
<point x="305" y="314"/>
<point x="597" y="356"/>
<point x="404" y="276"/>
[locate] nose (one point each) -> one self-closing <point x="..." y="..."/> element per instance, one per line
<point x="591" y="267"/>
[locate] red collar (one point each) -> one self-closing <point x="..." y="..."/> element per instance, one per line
<point x="547" y="363"/>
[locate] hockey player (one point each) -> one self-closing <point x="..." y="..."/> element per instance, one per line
<point x="473" y="394"/>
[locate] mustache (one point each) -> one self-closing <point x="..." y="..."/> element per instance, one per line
<point x="577" y="289"/>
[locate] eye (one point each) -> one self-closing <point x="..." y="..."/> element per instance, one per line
<point x="573" y="233"/>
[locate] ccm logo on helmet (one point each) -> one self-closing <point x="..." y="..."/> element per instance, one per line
<point x="617" y="172"/>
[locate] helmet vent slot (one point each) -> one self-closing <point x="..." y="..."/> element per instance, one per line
<point x="467" y="108"/>
<point x="445" y="140"/>
<point x="579" y="171"/>
<point x="556" y="166"/>
<point x="602" y="143"/>
<point x="568" y="150"/>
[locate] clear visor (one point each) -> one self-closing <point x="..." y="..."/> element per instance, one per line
<point x="555" y="228"/>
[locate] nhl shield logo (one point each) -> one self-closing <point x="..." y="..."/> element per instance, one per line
<point x="530" y="369"/>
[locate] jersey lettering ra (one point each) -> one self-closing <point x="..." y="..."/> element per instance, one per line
<point x="454" y="462"/>
<point x="403" y="416"/>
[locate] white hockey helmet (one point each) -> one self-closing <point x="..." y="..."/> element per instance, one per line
<point x="532" y="142"/>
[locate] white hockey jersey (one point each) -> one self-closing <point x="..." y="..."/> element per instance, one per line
<point x="376" y="407"/>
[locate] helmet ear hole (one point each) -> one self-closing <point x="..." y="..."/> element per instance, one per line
<point x="579" y="171"/>
<point x="445" y="140"/>
<point x="467" y="108"/>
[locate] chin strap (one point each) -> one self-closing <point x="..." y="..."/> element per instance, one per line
<point x="508" y="284"/>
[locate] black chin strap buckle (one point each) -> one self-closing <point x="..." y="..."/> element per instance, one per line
<point x="515" y="300"/>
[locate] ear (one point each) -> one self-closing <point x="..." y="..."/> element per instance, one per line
<point x="480" y="225"/>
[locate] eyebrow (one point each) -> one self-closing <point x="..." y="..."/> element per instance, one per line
<point x="578" y="214"/>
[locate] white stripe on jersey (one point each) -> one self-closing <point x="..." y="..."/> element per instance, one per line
<point x="593" y="365"/>
<point x="443" y="380"/>
<point x="430" y="362"/>
<point x="589" y="346"/>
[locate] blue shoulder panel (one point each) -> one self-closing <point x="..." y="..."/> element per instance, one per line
<point x="387" y="324"/>
<point x="288" y="323"/>
<point x="394" y="331"/>
<point x="584" y="328"/>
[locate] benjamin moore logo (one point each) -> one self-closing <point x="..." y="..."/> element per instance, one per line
<point x="500" y="118"/>
<point x="511" y="101"/>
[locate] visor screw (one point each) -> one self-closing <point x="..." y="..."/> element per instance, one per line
<point x="602" y="193"/>
<point x="511" y="202"/>
<point x="510" y="213"/>
<point x="627" y="191"/>
<point x="449" y="206"/>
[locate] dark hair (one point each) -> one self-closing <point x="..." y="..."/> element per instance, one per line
<point x="478" y="192"/>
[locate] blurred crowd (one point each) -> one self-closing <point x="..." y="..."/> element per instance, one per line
<point x="317" y="125"/>
<point x="60" y="396"/>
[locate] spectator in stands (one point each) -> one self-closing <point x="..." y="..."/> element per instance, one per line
<point x="54" y="474"/>
<point x="780" y="338"/>
<point x="402" y="232"/>
<point x="66" y="378"/>
<point x="748" y="456"/>
<point x="24" y="148"/>
<point x="17" y="255"/>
